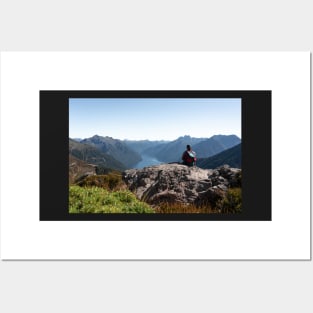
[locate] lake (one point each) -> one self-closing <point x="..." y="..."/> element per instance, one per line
<point x="147" y="161"/>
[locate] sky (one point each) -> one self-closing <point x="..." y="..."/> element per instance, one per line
<point x="154" y="118"/>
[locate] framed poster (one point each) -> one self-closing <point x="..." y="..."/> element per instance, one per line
<point x="151" y="168"/>
<point x="38" y="90"/>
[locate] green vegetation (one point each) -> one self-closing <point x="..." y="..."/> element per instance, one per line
<point x="100" y="200"/>
<point x="104" y="194"/>
<point x="112" y="181"/>
<point x="232" y="202"/>
<point x="109" y="194"/>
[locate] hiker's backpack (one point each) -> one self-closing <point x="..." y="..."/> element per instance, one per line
<point x="191" y="157"/>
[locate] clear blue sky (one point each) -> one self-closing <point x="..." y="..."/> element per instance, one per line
<point x="154" y="119"/>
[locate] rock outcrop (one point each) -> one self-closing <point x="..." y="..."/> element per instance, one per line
<point x="176" y="183"/>
<point x="79" y="169"/>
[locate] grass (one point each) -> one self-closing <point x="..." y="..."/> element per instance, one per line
<point x="232" y="202"/>
<point x="112" y="181"/>
<point x="99" y="200"/>
<point x="174" y="208"/>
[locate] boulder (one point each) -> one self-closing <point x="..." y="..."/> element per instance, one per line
<point x="177" y="183"/>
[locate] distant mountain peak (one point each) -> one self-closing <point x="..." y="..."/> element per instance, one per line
<point x="225" y="136"/>
<point x="98" y="136"/>
<point x="184" y="138"/>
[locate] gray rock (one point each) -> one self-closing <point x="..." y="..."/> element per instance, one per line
<point x="176" y="183"/>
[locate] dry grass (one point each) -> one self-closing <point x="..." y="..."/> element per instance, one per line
<point x="111" y="182"/>
<point x="172" y="208"/>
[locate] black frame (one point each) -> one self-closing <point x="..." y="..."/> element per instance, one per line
<point x="256" y="155"/>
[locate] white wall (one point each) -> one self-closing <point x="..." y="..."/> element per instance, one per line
<point x="242" y="286"/>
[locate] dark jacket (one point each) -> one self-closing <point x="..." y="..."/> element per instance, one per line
<point x="187" y="159"/>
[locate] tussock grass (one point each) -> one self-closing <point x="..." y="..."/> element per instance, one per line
<point x="173" y="208"/>
<point x="112" y="181"/>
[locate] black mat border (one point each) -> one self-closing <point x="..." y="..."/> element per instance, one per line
<point x="256" y="155"/>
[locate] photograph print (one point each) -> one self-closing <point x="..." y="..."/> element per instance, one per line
<point x="155" y="156"/>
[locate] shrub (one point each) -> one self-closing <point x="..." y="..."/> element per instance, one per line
<point x="232" y="202"/>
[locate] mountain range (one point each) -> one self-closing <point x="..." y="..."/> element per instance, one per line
<point x="109" y="153"/>
<point x="91" y="155"/>
<point x="231" y="156"/>
<point x="215" y="144"/>
<point x="173" y="150"/>
<point x="116" y="148"/>
<point x="204" y="147"/>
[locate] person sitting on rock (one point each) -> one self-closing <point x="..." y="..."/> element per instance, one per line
<point x="189" y="157"/>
